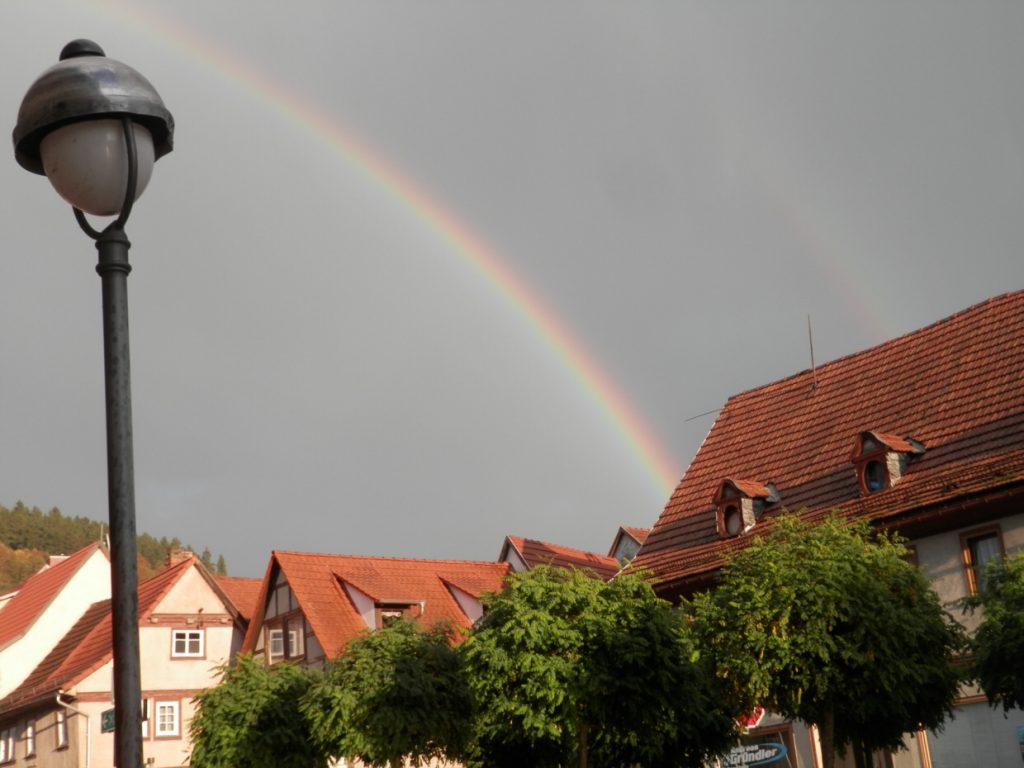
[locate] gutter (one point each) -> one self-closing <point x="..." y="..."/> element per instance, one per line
<point x="88" y="730"/>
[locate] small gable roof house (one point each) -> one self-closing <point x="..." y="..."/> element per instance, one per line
<point x="523" y="554"/>
<point x="311" y="605"/>
<point x="924" y="434"/>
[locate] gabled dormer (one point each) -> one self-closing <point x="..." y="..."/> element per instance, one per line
<point x="881" y="459"/>
<point x="740" y="503"/>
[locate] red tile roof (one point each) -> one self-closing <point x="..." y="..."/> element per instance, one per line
<point x="243" y="592"/>
<point x="956" y="386"/>
<point x="89" y="644"/>
<point x="317" y="582"/>
<point x="36" y="593"/>
<point x="534" y="553"/>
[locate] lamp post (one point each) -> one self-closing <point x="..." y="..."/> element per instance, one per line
<point x="94" y="127"/>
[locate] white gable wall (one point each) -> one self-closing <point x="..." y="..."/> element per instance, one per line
<point x="89" y="584"/>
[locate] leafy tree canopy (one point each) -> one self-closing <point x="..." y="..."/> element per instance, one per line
<point x="252" y="719"/>
<point x="829" y="624"/>
<point x="395" y="694"/>
<point x="998" y="643"/>
<point x="566" y="668"/>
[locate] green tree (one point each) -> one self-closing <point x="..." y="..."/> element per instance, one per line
<point x="829" y="624"/>
<point x="568" y="669"/>
<point x="998" y="643"/>
<point x="252" y="719"/>
<point x="222" y="566"/>
<point x="395" y="694"/>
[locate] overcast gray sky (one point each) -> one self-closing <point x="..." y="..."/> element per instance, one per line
<point x="320" y="364"/>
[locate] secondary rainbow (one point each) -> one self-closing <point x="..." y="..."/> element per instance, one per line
<point x="475" y="253"/>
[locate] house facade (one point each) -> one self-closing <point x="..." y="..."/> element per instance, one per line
<point x="311" y="605"/>
<point x="923" y="435"/>
<point x="61" y="714"/>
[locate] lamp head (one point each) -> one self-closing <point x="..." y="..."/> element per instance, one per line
<point x="63" y="128"/>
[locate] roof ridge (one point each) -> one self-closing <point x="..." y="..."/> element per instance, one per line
<point x="563" y="546"/>
<point x="948" y="319"/>
<point x="396" y="558"/>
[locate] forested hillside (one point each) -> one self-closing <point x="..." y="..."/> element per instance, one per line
<point x="29" y="535"/>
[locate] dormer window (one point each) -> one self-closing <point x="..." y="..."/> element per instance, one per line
<point x="740" y="504"/>
<point x="881" y="459"/>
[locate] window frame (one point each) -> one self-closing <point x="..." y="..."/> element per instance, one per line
<point x="30" y="738"/>
<point x="967" y="538"/>
<point x="281" y="627"/>
<point x="7" y="745"/>
<point x="186" y="631"/>
<point x="61" y="729"/>
<point x="173" y="705"/>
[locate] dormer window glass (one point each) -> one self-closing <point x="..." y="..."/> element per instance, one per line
<point x="733" y="520"/>
<point x="875" y="476"/>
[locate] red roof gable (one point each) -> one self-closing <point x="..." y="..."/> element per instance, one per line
<point x="317" y="582"/>
<point x="534" y="553"/>
<point x="89" y="644"/>
<point x="640" y="534"/>
<point x="956" y="386"/>
<point x="37" y="592"/>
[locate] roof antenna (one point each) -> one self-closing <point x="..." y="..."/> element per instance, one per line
<point x="810" y="341"/>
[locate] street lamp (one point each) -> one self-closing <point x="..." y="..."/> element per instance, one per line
<point x="94" y="127"/>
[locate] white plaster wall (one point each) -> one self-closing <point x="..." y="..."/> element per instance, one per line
<point x="364" y="605"/>
<point x="192" y="594"/>
<point x="161" y="671"/>
<point x="470" y="606"/>
<point x="89" y="584"/>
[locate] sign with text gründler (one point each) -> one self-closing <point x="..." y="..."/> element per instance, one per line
<point x="755" y="754"/>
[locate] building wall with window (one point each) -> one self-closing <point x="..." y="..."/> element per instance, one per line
<point x="188" y="627"/>
<point x="182" y="640"/>
<point x="922" y="435"/>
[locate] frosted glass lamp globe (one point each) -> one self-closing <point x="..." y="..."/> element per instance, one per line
<point x="87" y="163"/>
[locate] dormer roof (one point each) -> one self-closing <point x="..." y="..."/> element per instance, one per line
<point x="885" y="440"/>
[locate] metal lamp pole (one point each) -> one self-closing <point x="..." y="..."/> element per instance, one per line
<point x="89" y="102"/>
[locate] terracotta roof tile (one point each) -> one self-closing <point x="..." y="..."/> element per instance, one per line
<point x="956" y="386"/>
<point x="22" y="610"/>
<point x="243" y="592"/>
<point x="316" y="581"/>
<point x="534" y="553"/>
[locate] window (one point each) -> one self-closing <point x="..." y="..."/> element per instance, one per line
<point x="979" y="548"/>
<point x="167" y="719"/>
<point x="30" y="738"/>
<point x="290" y="628"/>
<point x="277" y="643"/>
<point x="62" y="729"/>
<point x="7" y="745"/>
<point x="187" y="643"/>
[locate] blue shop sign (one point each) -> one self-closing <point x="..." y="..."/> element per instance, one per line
<point x="756" y="754"/>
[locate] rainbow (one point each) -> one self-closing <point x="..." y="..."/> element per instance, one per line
<point x="483" y="259"/>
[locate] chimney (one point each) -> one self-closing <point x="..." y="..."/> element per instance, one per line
<point x="176" y="555"/>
